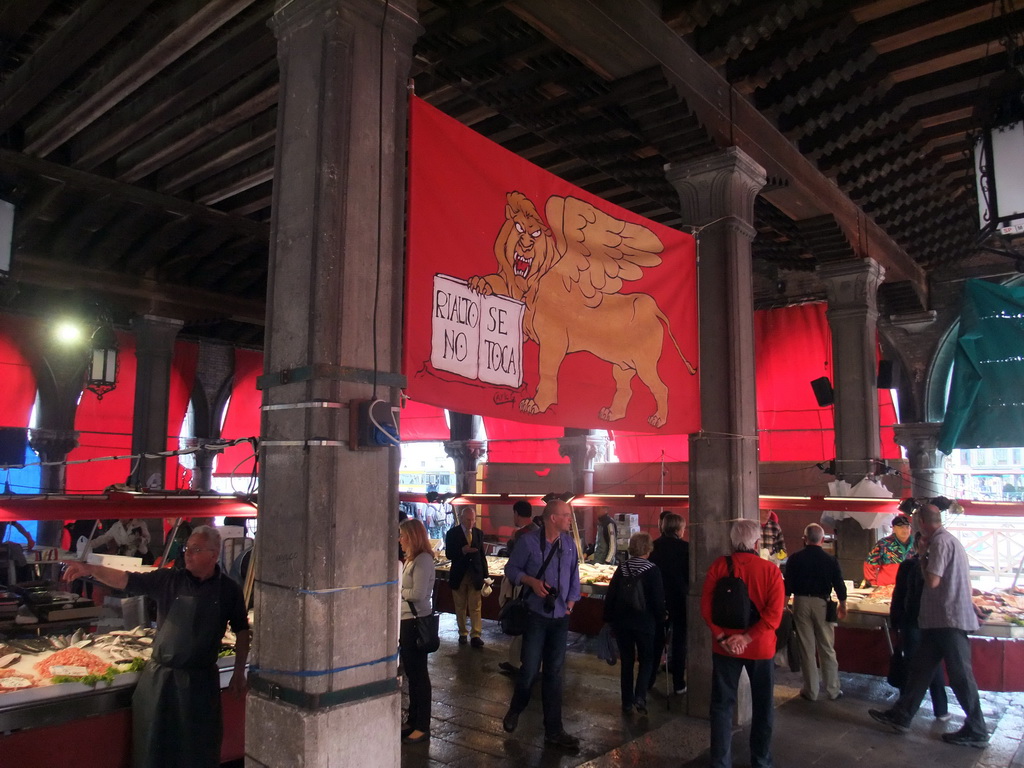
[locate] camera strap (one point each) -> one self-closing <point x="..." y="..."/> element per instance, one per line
<point x="556" y="547"/>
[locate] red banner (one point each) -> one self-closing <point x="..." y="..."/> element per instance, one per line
<point x="528" y="298"/>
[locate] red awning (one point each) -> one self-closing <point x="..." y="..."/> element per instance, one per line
<point x="804" y="503"/>
<point x="122" y="506"/>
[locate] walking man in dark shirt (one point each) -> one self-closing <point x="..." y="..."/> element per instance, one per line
<point x="811" y="575"/>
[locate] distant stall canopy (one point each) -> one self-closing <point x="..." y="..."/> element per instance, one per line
<point x="985" y="408"/>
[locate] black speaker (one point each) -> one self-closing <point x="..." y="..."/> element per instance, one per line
<point x="822" y="391"/>
<point x="886" y="375"/>
<point x="13" y="444"/>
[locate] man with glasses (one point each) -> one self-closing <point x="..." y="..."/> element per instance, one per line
<point x="548" y="565"/>
<point x="176" y="718"/>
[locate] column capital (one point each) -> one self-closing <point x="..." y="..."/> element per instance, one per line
<point x="53" y="444"/>
<point x="154" y="334"/>
<point x="584" y="449"/>
<point x="466" y="450"/>
<point x="291" y="15"/>
<point x="851" y="284"/>
<point x="719" y="185"/>
<point x="921" y="441"/>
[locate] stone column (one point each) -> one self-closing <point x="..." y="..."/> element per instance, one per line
<point x="60" y="373"/>
<point x="324" y="690"/>
<point x="214" y="371"/>
<point x="154" y="351"/>
<point x="717" y="195"/>
<point x="852" y="288"/>
<point x="466" y="449"/>
<point x="928" y="475"/>
<point x="583" y="447"/>
<point x="52" y="445"/>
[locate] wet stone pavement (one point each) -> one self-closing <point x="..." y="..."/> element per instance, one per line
<point x="471" y="695"/>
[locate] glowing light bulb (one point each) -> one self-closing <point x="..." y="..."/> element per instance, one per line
<point x="68" y="333"/>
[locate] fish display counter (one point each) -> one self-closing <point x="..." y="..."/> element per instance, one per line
<point x="75" y="688"/>
<point x="864" y="639"/>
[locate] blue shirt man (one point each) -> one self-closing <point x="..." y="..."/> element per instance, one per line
<point x="551" y="599"/>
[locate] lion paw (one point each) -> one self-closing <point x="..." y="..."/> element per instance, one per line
<point x="529" y="405"/>
<point x="479" y="285"/>
<point x="656" y="421"/>
<point x="606" y="414"/>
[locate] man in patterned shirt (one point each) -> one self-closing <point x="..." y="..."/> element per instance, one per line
<point x="885" y="557"/>
<point x="947" y="615"/>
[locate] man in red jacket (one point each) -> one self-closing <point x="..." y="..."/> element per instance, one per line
<point x="752" y="648"/>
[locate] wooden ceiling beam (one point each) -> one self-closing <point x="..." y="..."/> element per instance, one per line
<point x="16" y="18"/>
<point x="625" y="39"/>
<point x="141" y="294"/>
<point x="171" y="152"/>
<point x="150" y="51"/>
<point x="164" y="101"/>
<point x="253" y="172"/>
<point x="95" y="185"/>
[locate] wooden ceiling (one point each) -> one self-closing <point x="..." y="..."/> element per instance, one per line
<point x="137" y="137"/>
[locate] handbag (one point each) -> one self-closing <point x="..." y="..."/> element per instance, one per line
<point x="831" y="612"/>
<point x="898" y="668"/>
<point x="428" y="636"/>
<point x="514" y="614"/>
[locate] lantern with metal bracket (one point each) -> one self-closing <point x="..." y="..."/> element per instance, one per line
<point x="102" y="375"/>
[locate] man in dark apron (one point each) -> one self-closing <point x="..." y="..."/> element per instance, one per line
<point x="176" y="714"/>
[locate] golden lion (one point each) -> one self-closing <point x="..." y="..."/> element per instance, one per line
<point x="569" y="276"/>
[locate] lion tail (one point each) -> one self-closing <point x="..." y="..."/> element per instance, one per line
<point x="668" y="329"/>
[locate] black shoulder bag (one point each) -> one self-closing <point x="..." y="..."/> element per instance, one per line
<point x="428" y="636"/>
<point x="515" y="612"/>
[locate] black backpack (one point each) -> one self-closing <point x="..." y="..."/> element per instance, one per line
<point x="631" y="592"/>
<point x="731" y="607"/>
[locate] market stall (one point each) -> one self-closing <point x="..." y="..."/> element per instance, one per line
<point x="863" y="640"/>
<point x="67" y="668"/>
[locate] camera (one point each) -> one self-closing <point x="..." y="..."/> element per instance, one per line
<point x="549" y="600"/>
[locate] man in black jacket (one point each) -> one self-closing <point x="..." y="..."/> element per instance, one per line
<point x="811" y="575"/>
<point x="672" y="556"/>
<point x="464" y="546"/>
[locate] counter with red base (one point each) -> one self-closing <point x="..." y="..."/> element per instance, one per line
<point x="998" y="661"/>
<point x="93" y="728"/>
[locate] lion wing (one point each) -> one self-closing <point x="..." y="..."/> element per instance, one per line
<point x="598" y="251"/>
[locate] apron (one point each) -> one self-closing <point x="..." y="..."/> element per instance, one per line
<point x="176" y="718"/>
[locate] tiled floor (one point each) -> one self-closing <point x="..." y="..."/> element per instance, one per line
<point x="471" y="695"/>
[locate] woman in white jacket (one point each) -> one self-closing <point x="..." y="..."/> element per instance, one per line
<point x="417" y="587"/>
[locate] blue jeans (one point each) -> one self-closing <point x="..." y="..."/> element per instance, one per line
<point x="725" y="679"/>
<point x="543" y="647"/>
<point x="953" y="647"/>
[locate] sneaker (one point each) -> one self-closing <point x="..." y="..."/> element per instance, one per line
<point x="510" y="721"/>
<point x="966" y="739"/>
<point x="836" y="697"/>
<point x="944" y="718"/>
<point x="562" y="739"/>
<point x="463" y="639"/>
<point x="508" y="668"/>
<point x="806" y="695"/>
<point x="680" y="691"/>
<point x="889" y="719"/>
<point x="477" y="642"/>
<point x="641" y="707"/>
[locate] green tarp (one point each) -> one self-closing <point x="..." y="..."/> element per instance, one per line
<point x="986" y="398"/>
